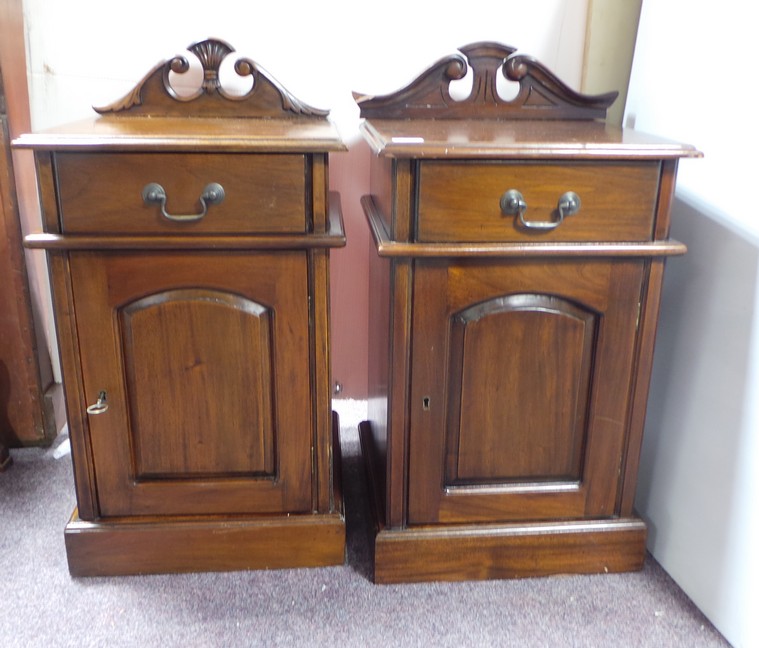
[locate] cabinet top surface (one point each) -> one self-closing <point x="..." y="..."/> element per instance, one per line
<point x="195" y="134"/>
<point x="429" y="138"/>
<point x="543" y="118"/>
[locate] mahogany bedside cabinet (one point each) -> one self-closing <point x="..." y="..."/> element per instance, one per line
<point x="188" y="236"/>
<point x="520" y="246"/>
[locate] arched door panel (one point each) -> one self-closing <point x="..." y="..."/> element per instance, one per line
<point x="518" y="380"/>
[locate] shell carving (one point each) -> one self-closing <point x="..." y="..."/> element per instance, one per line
<point x="210" y="53"/>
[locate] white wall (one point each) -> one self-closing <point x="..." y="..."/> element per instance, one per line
<point x="699" y="479"/>
<point x="85" y="52"/>
<point x="82" y="52"/>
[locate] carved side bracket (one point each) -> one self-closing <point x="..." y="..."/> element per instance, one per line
<point x="542" y="95"/>
<point x="155" y="95"/>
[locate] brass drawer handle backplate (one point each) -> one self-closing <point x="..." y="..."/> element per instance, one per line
<point x="153" y="193"/>
<point x="512" y="202"/>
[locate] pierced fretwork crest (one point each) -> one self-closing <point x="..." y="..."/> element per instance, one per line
<point x="156" y="96"/>
<point x="541" y="95"/>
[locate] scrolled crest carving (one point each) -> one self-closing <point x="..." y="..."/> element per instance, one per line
<point x="541" y="94"/>
<point x="156" y="95"/>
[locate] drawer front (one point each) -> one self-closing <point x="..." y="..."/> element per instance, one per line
<point x="461" y="201"/>
<point x="102" y="193"/>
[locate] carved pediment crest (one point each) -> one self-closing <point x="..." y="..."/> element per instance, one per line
<point x="157" y="96"/>
<point x="541" y="94"/>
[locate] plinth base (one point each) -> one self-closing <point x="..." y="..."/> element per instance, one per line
<point x="491" y="551"/>
<point x="162" y="545"/>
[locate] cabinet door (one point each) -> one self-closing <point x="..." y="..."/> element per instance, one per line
<point x="204" y="358"/>
<point x="520" y="388"/>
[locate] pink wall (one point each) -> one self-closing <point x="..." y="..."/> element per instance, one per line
<point x="349" y="272"/>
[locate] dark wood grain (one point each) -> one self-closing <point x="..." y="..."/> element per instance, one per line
<point x="50" y="213"/>
<point x="157" y="95"/>
<point x="388" y="247"/>
<point x="512" y="551"/>
<point x="200" y="359"/>
<point x="103" y="194"/>
<point x="523" y="403"/>
<point x="207" y="338"/>
<point x="71" y="367"/>
<point x="521" y="140"/>
<point x="399" y="364"/>
<point x="321" y="390"/>
<point x="334" y="237"/>
<point x="461" y="202"/>
<point x="160" y="546"/>
<point x="160" y="134"/>
<point x="541" y="94"/>
<point x="378" y="382"/>
<point x="502" y="428"/>
<point x="649" y="317"/>
<point x="317" y="211"/>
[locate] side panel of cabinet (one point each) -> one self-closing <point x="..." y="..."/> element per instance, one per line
<point x="204" y="359"/>
<point x="520" y="393"/>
